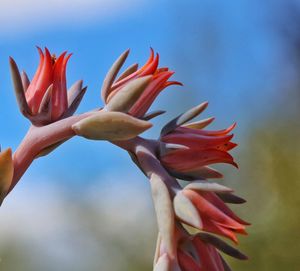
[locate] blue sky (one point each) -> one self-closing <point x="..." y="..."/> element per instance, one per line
<point x="223" y="51"/>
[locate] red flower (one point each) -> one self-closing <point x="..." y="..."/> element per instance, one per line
<point x="50" y="72"/>
<point x="215" y="215"/>
<point x="207" y="258"/>
<point x="46" y="99"/>
<point x="201" y="253"/>
<point x="197" y="149"/>
<point x="158" y="81"/>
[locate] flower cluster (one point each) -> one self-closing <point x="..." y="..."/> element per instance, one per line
<point x="186" y="151"/>
<point x="135" y="89"/>
<point x="201" y="252"/>
<point x="199" y="149"/>
<point x="189" y="216"/>
<point x="45" y="99"/>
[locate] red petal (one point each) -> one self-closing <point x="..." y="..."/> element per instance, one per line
<point x="149" y="95"/>
<point x="44" y="80"/>
<point x="136" y="74"/>
<point x="209" y="257"/>
<point x="32" y="86"/>
<point x="226" y="146"/>
<point x="164" y="69"/>
<point x="171" y="83"/>
<point x="197" y="142"/>
<point x="207" y="209"/>
<point x="188" y="160"/>
<point x="211" y="226"/>
<point x="207" y="133"/>
<point x="150" y="59"/>
<point x="59" y="100"/>
<point x="151" y="68"/>
<point x="186" y="262"/>
<point x="38" y="71"/>
<point x="216" y="201"/>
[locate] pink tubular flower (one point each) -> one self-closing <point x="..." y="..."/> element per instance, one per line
<point x="201" y="253"/>
<point x="45" y="99"/>
<point x="50" y="72"/>
<point x="215" y="215"/>
<point x="186" y="152"/>
<point x="208" y="258"/>
<point x="157" y="81"/>
<point x="197" y="252"/>
<point x="197" y="149"/>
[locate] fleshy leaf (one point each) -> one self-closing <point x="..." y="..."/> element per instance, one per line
<point x="6" y="172"/>
<point x="111" y="75"/>
<point x="111" y="126"/>
<point x="166" y="148"/>
<point x="45" y="104"/>
<point x="163" y="263"/>
<point x="154" y="114"/>
<point x="186" y="211"/>
<point x="25" y="80"/>
<point x="74" y="91"/>
<point x="131" y="69"/>
<point x="199" y="124"/>
<point x="19" y="90"/>
<point x="225" y="265"/>
<point x="183" y="118"/>
<point x="125" y="98"/>
<point x="208" y="186"/>
<point x="231" y="198"/>
<point x="164" y="212"/>
<point x="222" y="246"/>
<point x="201" y="173"/>
<point x="75" y="103"/>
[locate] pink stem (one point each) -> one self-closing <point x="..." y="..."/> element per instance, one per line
<point x="146" y="151"/>
<point x="39" y="138"/>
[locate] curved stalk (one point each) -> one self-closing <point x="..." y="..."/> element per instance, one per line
<point x="39" y="138"/>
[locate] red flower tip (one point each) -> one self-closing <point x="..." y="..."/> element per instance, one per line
<point x="216" y="217"/>
<point x="203" y="147"/>
<point x="201" y="252"/>
<point x="158" y="82"/>
<point x="50" y="71"/>
<point x="170" y="83"/>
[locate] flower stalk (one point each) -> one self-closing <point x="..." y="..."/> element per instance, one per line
<point x="183" y="153"/>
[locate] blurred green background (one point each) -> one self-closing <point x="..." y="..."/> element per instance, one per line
<point x="86" y="207"/>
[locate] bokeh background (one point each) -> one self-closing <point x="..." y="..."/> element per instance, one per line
<point x="85" y="206"/>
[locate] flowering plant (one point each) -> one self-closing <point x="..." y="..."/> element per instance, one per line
<point x="189" y="216"/>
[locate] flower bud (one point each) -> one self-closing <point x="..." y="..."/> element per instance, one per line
<point x="111" y="126"/>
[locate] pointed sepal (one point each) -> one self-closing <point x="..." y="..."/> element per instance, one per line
<point x="186" y="211"/>
<point x="126" y="97"/>
<point x="208" y="186"/>
<point x="111" y="75"/>
<point x="183" y="118"/>
<point x="19" y="90"/>
<point x="222" y="246"/>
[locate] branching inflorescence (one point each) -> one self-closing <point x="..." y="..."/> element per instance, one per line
<point x="189" y="216"/>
